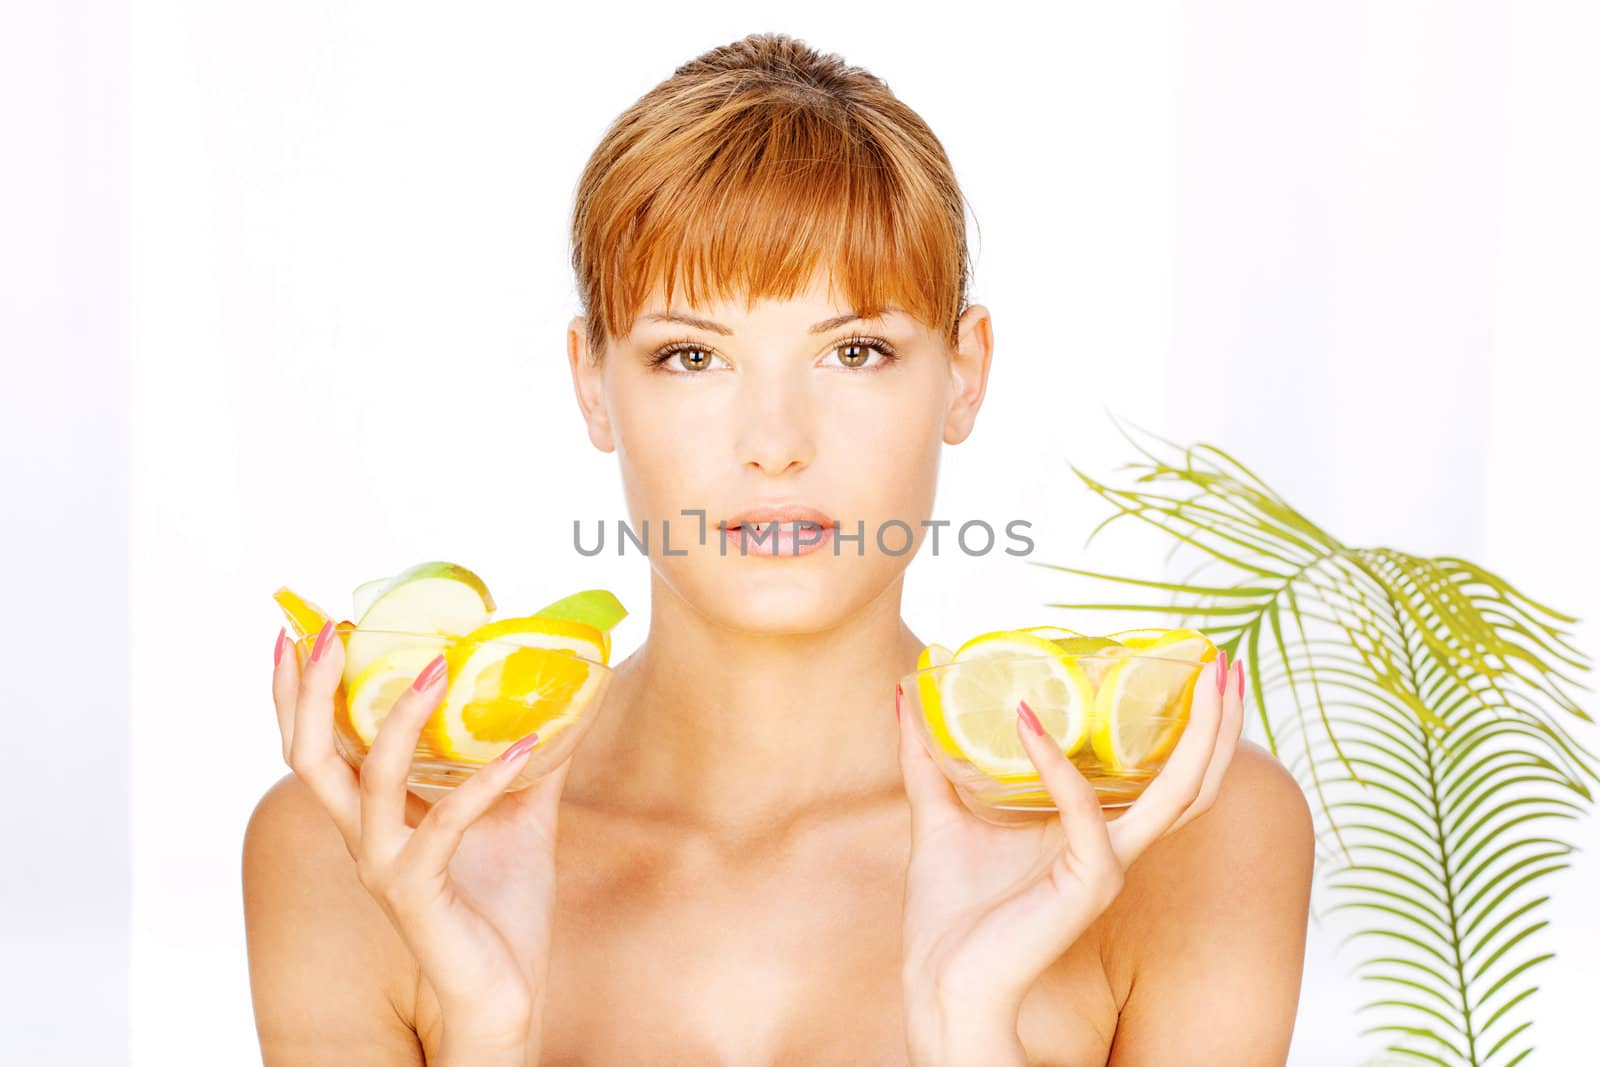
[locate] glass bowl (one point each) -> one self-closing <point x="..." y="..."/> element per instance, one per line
<point x="1117" y="714"/>
<point x="507" y="687"/>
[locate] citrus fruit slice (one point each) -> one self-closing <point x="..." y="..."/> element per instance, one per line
<point x="1050" y="633"/>
<point x="1143" y="701"/>
<point x="1096" y="656"/>
<point x="1145" y="636"/>
<point x="978" y="698"/>
<point x="303" y="615"/>
<point x="1083" y="646"/>
<point x="928" y="696"/>
<point x="373" y="694"/>
<point x="514" y="677"/>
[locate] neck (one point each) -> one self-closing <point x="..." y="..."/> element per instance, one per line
<point x="730" y="729"/>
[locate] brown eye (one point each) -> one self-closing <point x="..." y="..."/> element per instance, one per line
<point x="693" y="358"/>
<point x="690" y="357"/>
<point x="856" y="353"/>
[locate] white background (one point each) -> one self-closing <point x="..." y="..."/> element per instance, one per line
<point x="288" y="301"/>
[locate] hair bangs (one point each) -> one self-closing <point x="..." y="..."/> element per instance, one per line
<point x="748" y="183"/>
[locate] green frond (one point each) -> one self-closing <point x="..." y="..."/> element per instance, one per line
<point x="1427" y="704"/>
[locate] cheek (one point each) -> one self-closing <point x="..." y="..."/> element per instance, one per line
<point x="885" y="445"/>
<point x="894" y="428"/>
<point x="660" y="443"/>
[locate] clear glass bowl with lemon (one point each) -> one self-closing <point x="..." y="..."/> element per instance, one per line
<point x="1116" y="705"/>
<point x="507" y="678"/>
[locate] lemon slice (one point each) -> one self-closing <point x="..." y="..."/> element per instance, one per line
<point x="306" y="618"/>
<point x="1140" y="637"/>
<point x="1097" y="662"/>
<point x="1145" y="636"/>
<point x="373" y="694"/>
<point x="1050" y="633"/>
<point x="978" y="699"/>
<point x="514" y="677"/>
<point x="928" y="696"/>
<point x="1143" y="701"/>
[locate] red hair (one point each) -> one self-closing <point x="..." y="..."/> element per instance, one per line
<point x="748" y="169"/>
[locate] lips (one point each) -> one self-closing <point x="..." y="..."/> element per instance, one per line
<point x="759" y="519"/>
<point x="780" y="530"/>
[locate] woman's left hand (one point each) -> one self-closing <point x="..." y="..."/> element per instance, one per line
<point x="989" y="908"/>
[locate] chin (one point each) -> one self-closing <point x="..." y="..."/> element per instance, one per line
<point x="777" y="597"/>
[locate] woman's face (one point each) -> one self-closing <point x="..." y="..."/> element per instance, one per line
<point x="793" y="403"/>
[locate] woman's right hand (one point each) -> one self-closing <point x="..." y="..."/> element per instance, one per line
<point x="487" y="972"/>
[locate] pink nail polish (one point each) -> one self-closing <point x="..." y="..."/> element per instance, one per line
<point x="322" y="641"/>
<point x="898" y="696"/>
<point x="1030" y="718"/>
<point x="1238" y="669"/>
<point x="519" y="748"/>
<point x="277" y="649"/>
<point x="1222" y="671"/>
<point x="429" y="674"/>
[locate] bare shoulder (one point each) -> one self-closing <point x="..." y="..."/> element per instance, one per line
<point x="1260" y="816"/>
<point x="1205" y="946"/>
<point x="327" y="970"/>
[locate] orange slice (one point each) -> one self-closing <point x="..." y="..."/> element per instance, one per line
<point x="514" y="677"/>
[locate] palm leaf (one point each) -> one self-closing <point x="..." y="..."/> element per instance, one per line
<point x="1427" y="705"/>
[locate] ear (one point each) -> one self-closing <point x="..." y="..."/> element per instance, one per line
<point x="969" y="372"/>
<point x="588" y="380"/>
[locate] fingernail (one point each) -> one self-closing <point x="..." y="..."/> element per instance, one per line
<point x="277" y="649"/>
<point x="519" y="748"/>
<point x="898" y="696"/>
<point x="322" y="641"/>
<point x="1238" y="669"/>
<point x="1030" y="718"/>
<point x="430" y="674"/>
<point x="1222" y="671"/>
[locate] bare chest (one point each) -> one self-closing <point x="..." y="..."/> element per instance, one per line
<point x="787" y="955"/>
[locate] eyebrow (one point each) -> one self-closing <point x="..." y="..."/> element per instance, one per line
<point x="717" y="327"/>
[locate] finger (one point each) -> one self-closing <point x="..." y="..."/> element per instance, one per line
<point x="1178" y="782"/>
<point x="1227" y="741"/>
<point x="388" y="762"/>
<point x="285" y="684"/>
<point x="311" y="751"/>
<point x="543" y="792"/>
<point x="439" y="833"/>
<point x="1039" y="922"/>
<point x="1077" y="803"/>
<point x="538" y="804"/>
<point x="932" y="798"/>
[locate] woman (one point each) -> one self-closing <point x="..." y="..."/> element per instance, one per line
<point x="758" y="862"/>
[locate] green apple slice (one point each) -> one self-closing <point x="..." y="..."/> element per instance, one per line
<point x="431" y="598"/>
<point x="365" y="594"/>
<point x="593" y="607"/>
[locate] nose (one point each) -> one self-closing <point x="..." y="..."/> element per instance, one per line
<point x="776" y="426"/>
